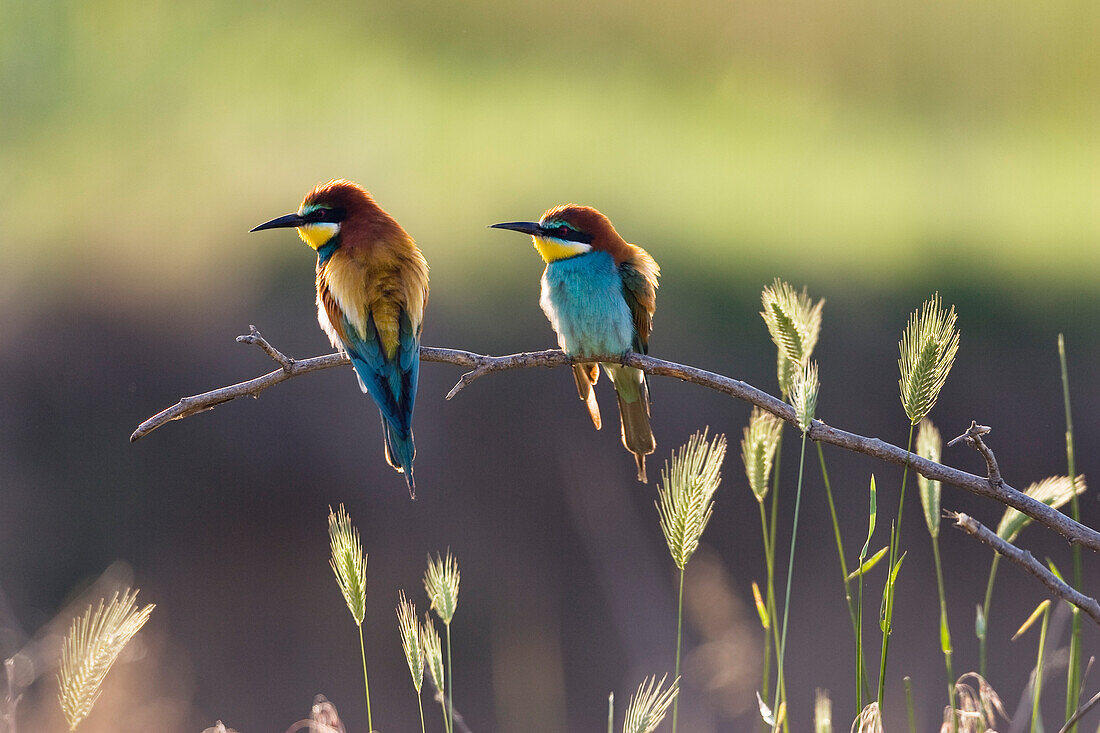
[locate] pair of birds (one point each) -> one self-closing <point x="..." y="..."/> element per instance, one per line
<point x="598" y="291"/>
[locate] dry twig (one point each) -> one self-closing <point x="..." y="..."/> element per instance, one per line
<point x="1081" y="712"/>
<point x="1027" y="561"/>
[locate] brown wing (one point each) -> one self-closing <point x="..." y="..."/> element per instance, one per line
<point x="639" y="274"/>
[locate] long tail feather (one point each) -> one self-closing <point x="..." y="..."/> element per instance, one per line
<point x="400" y="451"/>
<point x="586" y="376"/>
<point x="633" y="394"/>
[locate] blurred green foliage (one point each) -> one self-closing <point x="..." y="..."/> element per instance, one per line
<point x="854" y="139"/>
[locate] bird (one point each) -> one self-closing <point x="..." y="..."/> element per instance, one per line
<point x="372" y="288"/>
<point x="599" y="293"/>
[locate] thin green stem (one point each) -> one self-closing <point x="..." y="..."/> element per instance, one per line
<point x="1073" y="677"/>
<point x="839" y="549"/>
<point x="895" y="540"/>
<point x="450" y="684"/>
<point x="886" y="622"/>
<point x="420" y="704"/>
<point x="769" y="546"/>
<point x="769" y="557"/>
<point x="895" y="536"/>
<point x="775" y="492"/>
<point x="985" y="614"/>
<point x="790" y="574"/>
<point x="679" y="640"/>
<point x="766" y="681"/>
<point x="611" y="713"/>
<point x="1037" y="683"/>
<point x="945" y="634"/>
<point x="366" y="685"/>
<point x="860" y="663"/>
<point x="909" y="704"/>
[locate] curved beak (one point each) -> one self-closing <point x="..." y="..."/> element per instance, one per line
<point x="524" y="227"/>
<point x="289" y="220"/>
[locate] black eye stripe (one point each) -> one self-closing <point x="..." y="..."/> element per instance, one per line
<point x="564" y="231"/>
<point x="333" y="215"/>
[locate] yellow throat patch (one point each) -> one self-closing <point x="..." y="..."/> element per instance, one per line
<point x="552" y="250"/>
<point x="317" y="235"/>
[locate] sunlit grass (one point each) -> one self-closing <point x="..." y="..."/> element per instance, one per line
<point x="93" y="644"/>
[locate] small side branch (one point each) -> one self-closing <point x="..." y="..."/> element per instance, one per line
<point x="1081" y="712"/>
<point x="1027" y="561"/>
<point x="254" y="337"/>
<point x="973" y="438"/>
<point x="480" y="365"/>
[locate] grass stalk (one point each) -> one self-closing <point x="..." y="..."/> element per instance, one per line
<point x="895" y="539"/>
<point x="366" y="684"/>
<point x="684" y="503"/>
<point x="790" y="573"/>
<point x="945" y="634"/>
<point x="769" y="555"/>
<point x="861" y="665"/>
<point x="349" y="565"/>
<point x="769" y="541"/>
<point x="1073" y="675"/>
<point x="679" y="642"/>
<point x="985" y="616"/>
<point x="1037" y="683"/>
<point x="886" y="622"/>
<point x="450" y="683"/>
<point x="840" y="552"/>
<point x="909" y="704"/>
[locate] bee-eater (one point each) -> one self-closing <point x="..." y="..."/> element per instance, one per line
<point x="372" y="286"/>
<point x="599" y="293"/>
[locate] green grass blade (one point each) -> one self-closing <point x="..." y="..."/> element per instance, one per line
<point x="1073" y="677"/>
<point x="869" y="563"/>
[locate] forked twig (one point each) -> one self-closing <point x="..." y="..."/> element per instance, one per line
<point x="1081" y="712"/>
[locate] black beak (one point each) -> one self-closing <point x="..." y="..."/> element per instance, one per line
<point x="524" y="227"/>
<point x="290" y="220"/>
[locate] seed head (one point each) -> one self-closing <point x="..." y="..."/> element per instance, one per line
<point x="348" y="562"/>
<point x="928" y="349"/>
<point x="409" y="627"/>
<point x="794" y="322"/>
<point x="94" y="642"/>
<point x="929" y="445"/>
<point x="648" y="706"/>
<point x="441" y="583"/>
<point x="758" y="450"/>
<point x="685" y="498"/>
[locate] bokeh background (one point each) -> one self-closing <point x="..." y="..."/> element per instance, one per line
<point x="874" y="152"/>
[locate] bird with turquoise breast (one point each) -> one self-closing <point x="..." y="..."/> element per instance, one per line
<point x="599" y="293"/>
<point x="372" y="286"/>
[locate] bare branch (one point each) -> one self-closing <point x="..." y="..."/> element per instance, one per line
<point x="481" y="365"/>
<point x="1027" y="561"/>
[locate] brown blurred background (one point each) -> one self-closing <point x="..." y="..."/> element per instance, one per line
<point x="873" y="152"/>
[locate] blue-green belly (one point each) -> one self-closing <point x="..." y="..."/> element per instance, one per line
<point x="583" y="298"/>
